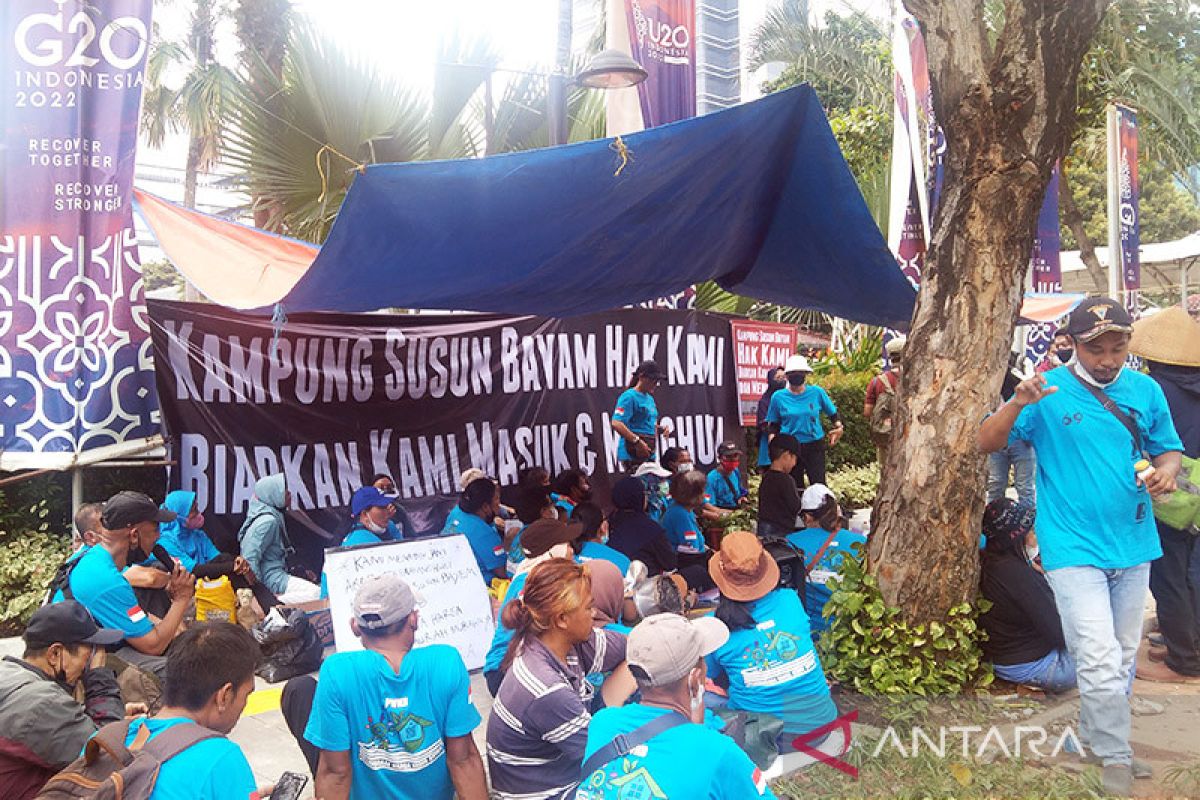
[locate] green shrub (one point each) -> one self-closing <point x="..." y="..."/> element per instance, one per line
<point x="871" y="648"/>
<point x="29" y="556"/>
<point x="848" y="392"/>
<point x="855" y="487"/>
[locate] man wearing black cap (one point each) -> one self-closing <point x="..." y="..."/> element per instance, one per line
<point x="635" y="418"/>
<point x="130" y="524"/>
<point x="1105" y="446"/>
<point x="42" y="726"/>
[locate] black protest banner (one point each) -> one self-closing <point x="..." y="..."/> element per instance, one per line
<point x="337" y="398"/>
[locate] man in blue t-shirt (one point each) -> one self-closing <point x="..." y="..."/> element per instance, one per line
<point x="1095" y="523"/>
<point x="679" y="757"/>
<point x="210" y="675"/>
<point x="724" y="488"/>
<point x="635" y="417"/>
<point x="474" y="517"/>
<point x="371" y="511"/>
<point x="128" y="534"/>
<point x="394" y="720"/>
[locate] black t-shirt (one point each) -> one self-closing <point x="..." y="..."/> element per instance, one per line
<point x="1023" y="623"/>
<point x="778" y="500"/>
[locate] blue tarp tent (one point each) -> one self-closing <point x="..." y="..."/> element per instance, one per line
<point x="757" y="197"/>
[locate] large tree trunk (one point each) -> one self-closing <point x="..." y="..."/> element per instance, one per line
<point x="1074" y="220"/>
<point x="1007" y="112"/>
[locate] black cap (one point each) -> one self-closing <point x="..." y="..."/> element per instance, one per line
<point x="124" y="509"/>
<point x="648" y="369"/>
<point x="1096" y="316"/>
<point x="728" y="449"/>
<point x="67" y="622"/>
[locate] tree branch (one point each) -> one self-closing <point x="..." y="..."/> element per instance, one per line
<point x="1074" y="220"/>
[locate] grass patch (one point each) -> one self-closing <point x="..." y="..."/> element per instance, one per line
<point x="891" y="774"/>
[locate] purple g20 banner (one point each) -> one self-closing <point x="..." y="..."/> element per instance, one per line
<point x="1127" y="195"/>
<point x="662" y="38"/>
<point x="75" y="370"/>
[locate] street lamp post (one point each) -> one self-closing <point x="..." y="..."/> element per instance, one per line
<point x="608" y="69"/>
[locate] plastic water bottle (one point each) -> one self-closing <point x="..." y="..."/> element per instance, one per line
<point x="1144" y="470"/>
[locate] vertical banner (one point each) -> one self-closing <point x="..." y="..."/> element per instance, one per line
<point x="662" y="38"/>
<point x="1127" y="206"/>
<point x="76" y="380"/>
<point x="1045" y="270"/>
<point x="757" y="347"/>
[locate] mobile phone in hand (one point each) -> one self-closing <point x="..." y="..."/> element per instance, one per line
<point x="289" y="786"/>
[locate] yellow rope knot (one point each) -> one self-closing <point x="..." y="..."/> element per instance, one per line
<point x="362" y="168"/>
<point x="623" y="152"/>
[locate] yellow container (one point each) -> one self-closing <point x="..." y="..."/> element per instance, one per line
<point x="216" y="600"/>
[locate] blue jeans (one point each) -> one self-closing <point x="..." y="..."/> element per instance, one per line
<point x="1054" y="672"/>
<point x="1018" y="457"/>
<point x="1101" y="611"/>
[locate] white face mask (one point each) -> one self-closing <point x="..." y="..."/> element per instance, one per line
<point x="372" y="527"/>
<point x="1032" y="553"/>
<point x="684" y="466"/>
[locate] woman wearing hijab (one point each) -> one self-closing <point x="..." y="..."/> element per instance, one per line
<point x="775" y="382"/>
<point x="185" y="539"/>
<point x="265" y="544"/>
<point x="769" y="662"/>
<point x="1025" y="639"/>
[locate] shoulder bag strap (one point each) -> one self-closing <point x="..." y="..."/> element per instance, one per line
<point x="175" y="739"/>
<point x="1111" y="407"/>
<point x="817" y="558"/>
<point x="621" y="746"/>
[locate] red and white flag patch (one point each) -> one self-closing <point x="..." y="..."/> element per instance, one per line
<point x="498" y="550"/>
<point x="135" y="614"/>
<point x="760" y="782"/>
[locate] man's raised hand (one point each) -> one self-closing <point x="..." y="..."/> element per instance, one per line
<point x="1031" y="390"/>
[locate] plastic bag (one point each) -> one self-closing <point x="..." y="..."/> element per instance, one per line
<point x="290" y="645"/>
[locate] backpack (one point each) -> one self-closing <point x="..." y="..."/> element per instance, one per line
<point x="108" y="770"/>
<point x="62" y="580"/>
<point x="885" y="405"/>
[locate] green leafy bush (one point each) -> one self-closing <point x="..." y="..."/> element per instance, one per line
<point x="848" y="390"/>
<point x="29" y="556"/>
<point x="872" y="649"/>
<point x="855" y="487"/>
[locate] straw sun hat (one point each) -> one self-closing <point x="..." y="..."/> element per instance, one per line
<point x="742" y="570"/>
<point x="1169" y="337"/>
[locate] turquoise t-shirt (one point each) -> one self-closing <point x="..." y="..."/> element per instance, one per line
<point x="683" y="532"/>
<point x="640" y="414"/>
<point x="800" y="414"/>
<point x="484" y="540"/>
<point x="718" y="491"/>
<point x="773" y="668"/>
<point x="394" y="725"/>
<point x="667" y="766"/>
<point x="502" y="635"/>
<point x="1091" y="511"/>
<point x="214" y="769"/>
<point x="101" y="588"/>
<point x="591" y="550"/>
<point x="816" y="588"/>
<point x="358" y="535"/>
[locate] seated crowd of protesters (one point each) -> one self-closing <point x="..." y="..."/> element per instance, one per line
<point x="592" y="619"/>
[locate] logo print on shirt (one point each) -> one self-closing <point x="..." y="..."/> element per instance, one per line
<point x="630" y="780"/>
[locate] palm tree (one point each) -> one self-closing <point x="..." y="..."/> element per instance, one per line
<point x="333" y="113"/>
<point x="199" y="105"/>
